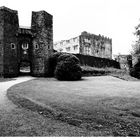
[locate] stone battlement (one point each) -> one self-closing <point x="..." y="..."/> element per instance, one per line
<point x="86" y="44"/>
<point x="96" y="36"/>
<point x="19" y="44"/>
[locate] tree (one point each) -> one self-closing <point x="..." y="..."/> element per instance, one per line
<point x="136" y="45"/>
<point x="135" y="71"/>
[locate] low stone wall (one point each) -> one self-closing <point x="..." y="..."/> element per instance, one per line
<point x="97" y="62"/>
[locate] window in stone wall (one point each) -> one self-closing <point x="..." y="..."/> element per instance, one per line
<point x="60" y="49"/>
<point x="61" y="43"/>
<point x="75" y="47"/>
<point x="36" y="46"/>
<point x="68" y="49"/>
<point x="75" y="39"/>
<point x="87" y="50"/>
<point x="48" y="46"/>
<point x="67" y="41"/>
<point x="13" y="46"/>
<point x="87" y="40"/>
<point x="25" y="46"/>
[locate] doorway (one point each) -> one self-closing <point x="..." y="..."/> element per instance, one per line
<point x="25" y="68"/>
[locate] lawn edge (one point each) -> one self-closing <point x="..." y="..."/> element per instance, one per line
<point x="46" y="111"/>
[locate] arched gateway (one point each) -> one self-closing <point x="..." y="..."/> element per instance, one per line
<point x="22" y="44"/>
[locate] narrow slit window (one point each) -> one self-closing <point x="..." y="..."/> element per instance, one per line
<point x="48" y="46"/>
<point x="36" y="46"/>
<point x="13" y="46"/>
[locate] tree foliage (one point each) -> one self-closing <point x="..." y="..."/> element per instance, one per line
<point x="135" y="71"/>
<point x="51" y="64"/>
<point x="136" y="45"/>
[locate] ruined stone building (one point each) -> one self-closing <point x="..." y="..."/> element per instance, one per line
<point x="19" y="44"/>
<point x="87" y="44"/>
<point x="125" y="61"/>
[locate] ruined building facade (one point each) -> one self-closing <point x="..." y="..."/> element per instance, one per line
<point x="18" y="44"/>
<point x="125" y="61"/>
<point x="87" y="44"/>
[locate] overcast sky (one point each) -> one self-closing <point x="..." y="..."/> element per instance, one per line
<point x="113" y="18"/>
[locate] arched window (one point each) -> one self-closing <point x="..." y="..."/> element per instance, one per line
<point x="25" y="46"/>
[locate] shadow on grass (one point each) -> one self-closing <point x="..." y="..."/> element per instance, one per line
<point x="42" y="109"/>
<point x="92" y="114"/>
<point x="90" y="123"/>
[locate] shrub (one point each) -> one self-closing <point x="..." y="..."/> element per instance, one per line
<point x="68" y="57"/>
<point x="87" y="71"/>
<point x="68" y="68"/>
<point x="51" y="64"/>
<point x="135" y="71"/>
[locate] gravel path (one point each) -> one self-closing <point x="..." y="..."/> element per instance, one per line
<point x="6" y="104"/>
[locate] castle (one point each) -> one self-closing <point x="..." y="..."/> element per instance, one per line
<point x="87" y="44"/>
<point x="33" y="45"/>
<point x="20" y="44"/>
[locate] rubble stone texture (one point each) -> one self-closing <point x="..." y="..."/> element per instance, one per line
<point x="87" y="44"/>
<point x="125" y="61"/>
<point x="21" y="44"/>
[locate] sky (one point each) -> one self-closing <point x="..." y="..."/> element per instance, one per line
<point x="115" y="19"/>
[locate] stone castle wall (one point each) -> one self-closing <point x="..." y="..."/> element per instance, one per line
<point x="125" y="61"/>
<point x="70" y="46"/>
<point x="42" y="29"/>
<point x="87" y="44"/>
<point x="1" y="42"/>
<point x="39" y="39"/>
<point x="98" y="62"/>
<point x="9" y="28"/>
<point x="95" y="45"/>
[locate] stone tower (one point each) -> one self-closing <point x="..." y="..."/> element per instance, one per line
<point x="42" y="42"/>
<point x="18" y="44"/>
<point x="8" y="42"/>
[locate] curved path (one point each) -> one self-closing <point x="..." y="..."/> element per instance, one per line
<point x="5" y="103"/>
<point x="117" y="113"/>
<point x="16" y="121"/>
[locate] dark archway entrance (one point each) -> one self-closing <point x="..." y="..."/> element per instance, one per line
<point x="20" y="44"/>
<point x="25" y="57"/>
<point x="24" y="68"/>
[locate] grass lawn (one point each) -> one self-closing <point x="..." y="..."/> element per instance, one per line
<point x="24" y="122"/>
<point x="119" y="73"/>
<point x="94" y="106"/>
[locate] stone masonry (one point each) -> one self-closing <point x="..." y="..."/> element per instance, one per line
<point x="20" y="44"/>
<point x="87" y="44"/>
<point x="125" y="61"/>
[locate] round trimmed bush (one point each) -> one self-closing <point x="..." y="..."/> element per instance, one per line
<point x="68" y="68"/>
<point x="68" y="57"/>
<point x="51" y="64"/>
